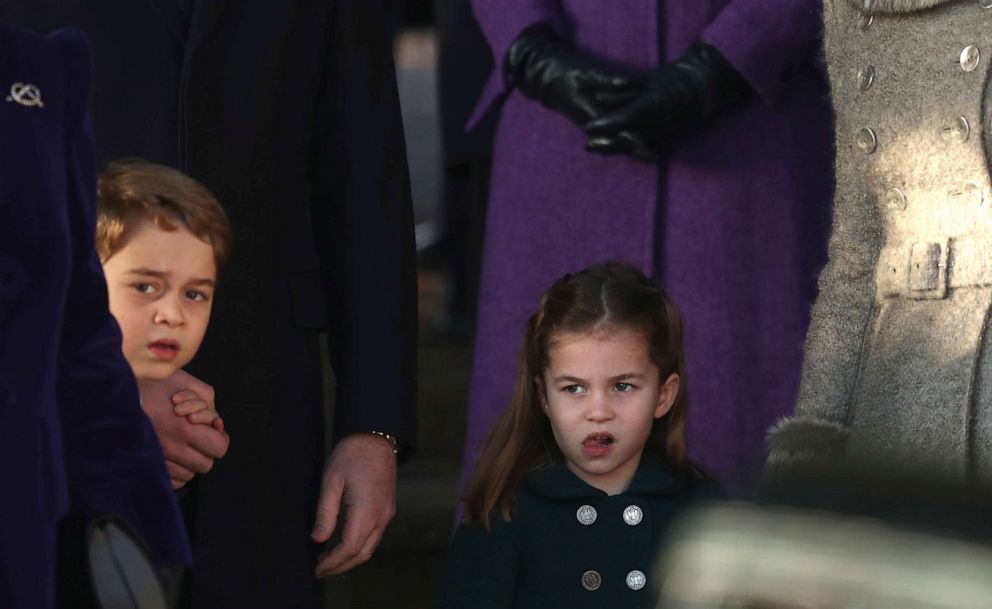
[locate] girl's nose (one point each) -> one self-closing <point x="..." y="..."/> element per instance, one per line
<point x="600" y="408"/>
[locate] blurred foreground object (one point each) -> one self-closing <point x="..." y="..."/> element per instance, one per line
<point x="748" y="556"/>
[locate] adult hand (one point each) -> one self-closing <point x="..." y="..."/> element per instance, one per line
<point x="359" y="480"/>
<point x="676" y="98"/>
<point x="189" y="448"/>
<point x="546" y="68"/>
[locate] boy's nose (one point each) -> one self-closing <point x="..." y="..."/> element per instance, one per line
<point x="169" y="312"/>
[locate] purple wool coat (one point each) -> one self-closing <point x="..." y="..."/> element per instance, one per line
<point x="734" y="221"/>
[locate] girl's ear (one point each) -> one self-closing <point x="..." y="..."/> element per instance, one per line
<point x="666" y="395"/>
<point x="542" y="395"/>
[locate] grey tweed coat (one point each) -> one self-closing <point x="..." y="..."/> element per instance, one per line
<point x="896" y="365"/>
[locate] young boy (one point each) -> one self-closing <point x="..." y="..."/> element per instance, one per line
<point x="163" y="239"/>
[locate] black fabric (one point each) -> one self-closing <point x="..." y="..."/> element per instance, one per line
<point x="288" y="112"/>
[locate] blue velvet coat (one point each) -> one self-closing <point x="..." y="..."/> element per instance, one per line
<point x="73" y="438"/>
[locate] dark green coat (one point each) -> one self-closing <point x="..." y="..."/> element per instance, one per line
<point x="542" y="557"/>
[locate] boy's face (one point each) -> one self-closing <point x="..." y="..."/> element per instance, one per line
<point x="161" y="287"/>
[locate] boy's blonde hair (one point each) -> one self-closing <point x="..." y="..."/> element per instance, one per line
<point x="132" y="189"/>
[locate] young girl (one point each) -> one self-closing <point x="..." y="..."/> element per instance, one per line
<point x="587" y="465"/>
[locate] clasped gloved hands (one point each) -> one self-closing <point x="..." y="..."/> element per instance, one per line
<point x="622" y="113"/>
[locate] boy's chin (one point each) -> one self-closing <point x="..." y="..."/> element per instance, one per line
<point x="146" y="374"/>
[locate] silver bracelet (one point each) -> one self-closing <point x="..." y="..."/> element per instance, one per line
<point x="391" y="439"/>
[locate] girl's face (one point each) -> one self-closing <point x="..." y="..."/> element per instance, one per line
<point x="602" y="394"/>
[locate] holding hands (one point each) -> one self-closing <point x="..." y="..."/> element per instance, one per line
<point x="181" y="409"/>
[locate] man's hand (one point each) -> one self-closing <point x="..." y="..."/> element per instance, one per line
<point x="189" y="448"/>
<point x="359" y="479"/>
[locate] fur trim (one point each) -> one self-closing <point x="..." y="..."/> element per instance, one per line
<point x="895" y="6"/>
<point x="795" y="442"/>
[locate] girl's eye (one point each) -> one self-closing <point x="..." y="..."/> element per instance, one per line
<point x="574" y="389"/>
<point x="144" y="288"/>
<point x="196" y="295"/>
<point x="624" y="387"/>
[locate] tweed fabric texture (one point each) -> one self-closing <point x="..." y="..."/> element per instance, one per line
<point x="900" y="324"/>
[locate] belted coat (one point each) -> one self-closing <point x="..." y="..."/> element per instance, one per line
<point x="734" y="220"/>
<point x="897" y="367"/>
<point x="73" y="438"/>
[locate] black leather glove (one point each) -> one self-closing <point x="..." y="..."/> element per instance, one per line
<point x="548" y="69"/>
<point x="677" y="98"/>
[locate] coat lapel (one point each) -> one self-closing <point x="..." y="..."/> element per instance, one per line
<point x="206" y="14"/>
<point x="173" y="18"/>
<point x="895" y="6"/>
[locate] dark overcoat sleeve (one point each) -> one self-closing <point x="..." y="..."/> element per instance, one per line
<point x="113" y="460"/>
<point x="481" y="568"/>
<point x="363" y="222"/>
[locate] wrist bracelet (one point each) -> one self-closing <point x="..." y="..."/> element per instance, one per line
<point x="391" y="439"/>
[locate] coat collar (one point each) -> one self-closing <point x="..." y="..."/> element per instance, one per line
<point x="651" y="478"/>
<point x="872" y="7"/>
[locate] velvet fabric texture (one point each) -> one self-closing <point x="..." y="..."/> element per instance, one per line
<point x="73" y="438"/>
<point x="288" y="112"/>
<point x="734" y="219"/>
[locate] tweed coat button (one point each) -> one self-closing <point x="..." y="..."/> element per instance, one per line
<point x="591" y="580"/>
<point x="969" y="194"/>
<point x="970" y="56"/>
<point x="636" y="580"/>
<point x="11" y="279"/>
<point x="865" y="22"/>
<point x="866" y="141"/>
<point x="586" y="515"/>
<point x="633" y="515"/>
<point x="895" y="199"/>
<point x="866" y="76"/>
<point x="985" y="3"/>
<point x="958" y="130"/>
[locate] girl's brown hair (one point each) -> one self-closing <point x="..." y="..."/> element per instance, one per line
<point x="610" y="297"/>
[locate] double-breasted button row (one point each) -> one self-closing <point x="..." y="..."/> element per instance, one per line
<point x="635" y="580"/>
<point x="970" y="195"/>
<point x="587" y="515"/>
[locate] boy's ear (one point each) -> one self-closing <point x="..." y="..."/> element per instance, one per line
<point x="667" y="394"/>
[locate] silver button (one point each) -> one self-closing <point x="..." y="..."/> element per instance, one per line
<point x="895" y="199"/>
<point x="866" y="76"/>
<point x="586" y="515"/>
<point x="864" y="23"/>
<point x="970" y="56"/>
<point x="591" y="580"/>
<point x="985" y="3"/>
<point x="969" y="194"/>
<point x="957" y="131"/>
<point x="866" y="141"/>
<point x="636" y="580"/>
<point x="633" y="515"/>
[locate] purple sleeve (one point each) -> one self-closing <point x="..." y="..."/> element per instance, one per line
<point x="766" y="39"/>
<point x="501" y="23"/>
<point x="113" y="461"/>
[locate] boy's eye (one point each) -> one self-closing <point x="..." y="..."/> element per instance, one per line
<point x="196" y="295"/>
<point x="624" y="387"/>
<point x="144" y="288"/>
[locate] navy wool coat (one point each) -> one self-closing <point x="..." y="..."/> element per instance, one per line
<point x="73" y="438"/>
<point x="569" y="544"/>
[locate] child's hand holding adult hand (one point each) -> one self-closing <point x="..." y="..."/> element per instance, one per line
<point x="189" y="448"/>
<point x="196" y="409"/>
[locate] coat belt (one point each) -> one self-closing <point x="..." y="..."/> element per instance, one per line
<point x="925" y="269"/>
